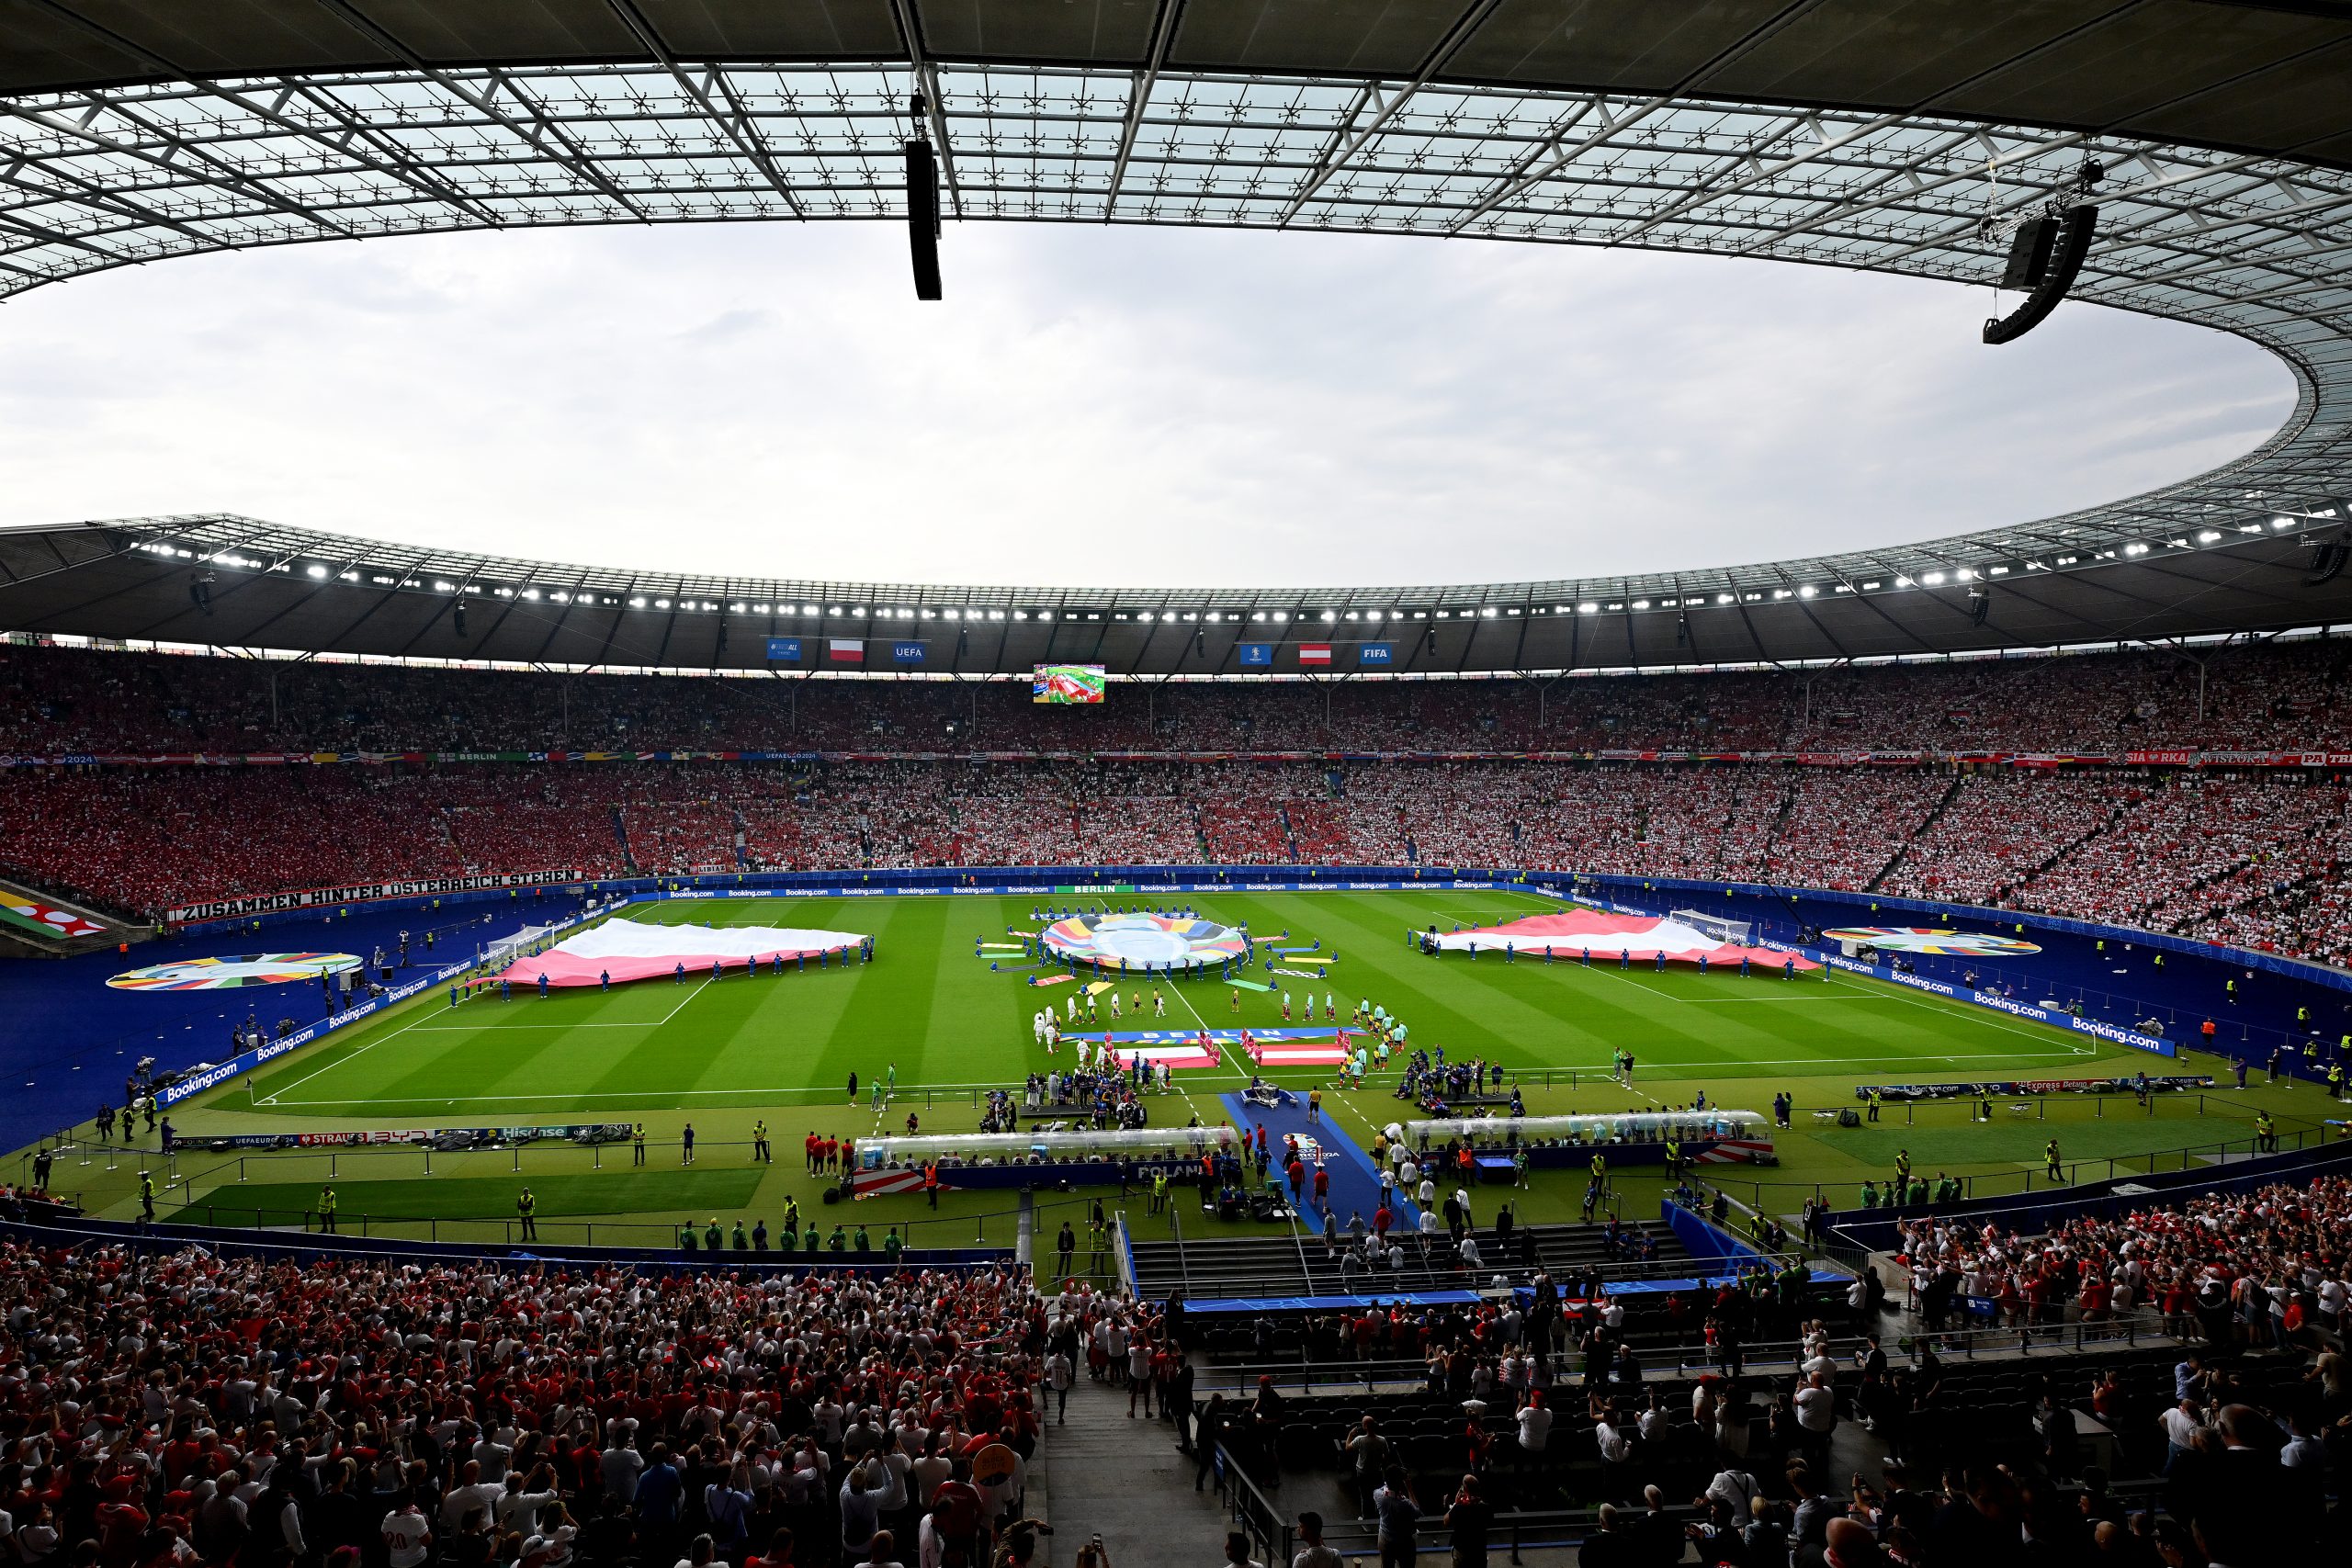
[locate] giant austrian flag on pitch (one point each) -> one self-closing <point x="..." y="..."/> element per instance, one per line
<point x="845" y="650"/>
<point x="1314" y="653"/>
<point x="625" y="950"/>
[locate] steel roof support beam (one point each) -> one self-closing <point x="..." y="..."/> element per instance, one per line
<point x="1336" y="156"/>
<point x="1139" y="92"/>
<point x="910" y="28"/>
<point x="228" y="175"/>
<point x="566" y="155"/>
<point x="398" y="168"/>
<point x="735" y="124"/>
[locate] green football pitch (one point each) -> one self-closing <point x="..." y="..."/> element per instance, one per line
<point x="723" y="1054"/>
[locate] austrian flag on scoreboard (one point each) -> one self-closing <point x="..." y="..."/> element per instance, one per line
<point x="845" y="650"/>
<point x="1314" y="653"/>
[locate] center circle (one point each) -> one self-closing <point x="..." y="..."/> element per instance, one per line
<point x="1143" y="941"/>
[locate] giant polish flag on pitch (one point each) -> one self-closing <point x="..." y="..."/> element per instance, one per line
<point x="845" y="650"/>
<point x="628" y="949"/>
<point x="1314" y="653"/>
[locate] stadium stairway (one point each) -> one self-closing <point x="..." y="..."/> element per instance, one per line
<point x="1280" y="1269"/>
<point x="1124" y="1479"/>
<point x="1274" y="1268"/>
<point x="1919" y="834"/>
<point x="1569" y="1250"/>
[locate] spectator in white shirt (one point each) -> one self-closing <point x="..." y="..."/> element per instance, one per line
<point x="1534" y="1425"/>
<point x="407" y="1538"/>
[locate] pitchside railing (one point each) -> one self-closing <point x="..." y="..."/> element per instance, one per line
<point x="316" y="1168"/>
<point x="1902" y="1340"/>
<point x="187" y="1172"/>
<point x="1785" y="1199"/>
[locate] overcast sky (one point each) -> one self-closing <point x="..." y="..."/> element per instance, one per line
<point x="1089" y="405"/>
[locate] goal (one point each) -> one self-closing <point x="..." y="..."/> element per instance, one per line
<point x="1736" y="933"/>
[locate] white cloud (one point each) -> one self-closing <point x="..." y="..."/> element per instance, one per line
<point x="1090" y="404"/>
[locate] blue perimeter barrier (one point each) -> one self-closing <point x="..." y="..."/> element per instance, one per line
<point x="1707" y="1241"/>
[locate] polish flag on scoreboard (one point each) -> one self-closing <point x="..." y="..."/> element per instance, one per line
<point x="1314" y="653"/>
<point x="845" y="650"/>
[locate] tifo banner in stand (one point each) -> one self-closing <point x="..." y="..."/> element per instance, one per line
<point x="228" y="974"/>
<point x="1145" y="942"/>
<point x="623" y="950"/>
<point x="365" y="892"/>
<point x="1578" y="931"/>
<point x="24" y="914"/>
<point x="1929" y="940"/>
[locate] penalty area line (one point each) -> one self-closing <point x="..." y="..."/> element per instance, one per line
<point x="306" y="1078"/>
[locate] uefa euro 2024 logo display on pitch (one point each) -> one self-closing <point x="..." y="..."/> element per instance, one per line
<point x="227" y="973"/>
<point x="1929" y="940"/>
<point x="1145" y="942"/>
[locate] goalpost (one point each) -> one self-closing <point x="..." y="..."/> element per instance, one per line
<point x="1738" y="933"/>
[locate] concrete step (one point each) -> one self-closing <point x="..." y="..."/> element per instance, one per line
<point x="1123" y="1480"/>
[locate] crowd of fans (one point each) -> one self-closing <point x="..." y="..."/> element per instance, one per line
<point x="2275" y="696"/>
<point x="2268" y="1270"/>
<point x="191" y="1408"/>
<point x="2253" y="858"/>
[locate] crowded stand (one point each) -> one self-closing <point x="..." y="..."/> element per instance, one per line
<point x="1839" y="828"/>
<point x="190" y="1407"/>
<point x="149" y="839"/>
<point x="1515" y="1405"/>
<point x="2251" y="860"/>
<point x="146" y="839"/>
<point x="1997" y="828"/>
<point x="2249" y="857"/>
<point x="2257" y="697"/>
<point x="2267" y="1270"/>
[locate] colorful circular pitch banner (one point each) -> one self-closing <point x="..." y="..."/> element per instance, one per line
<point x="1926" y="939"/>
<point x="226" y="973"/>
<point x="1139" y="941"/>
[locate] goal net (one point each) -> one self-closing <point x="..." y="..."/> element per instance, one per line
<point x="1735" y="933"/>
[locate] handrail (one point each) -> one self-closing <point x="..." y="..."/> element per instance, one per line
<point x="229" y="1216"/>
<point x="1612" y="1270"/>
<point x="2152" y="1162"/>
<point x="1183" y="1268"/>
<point x="143" y="1240"/>
<point x="2142" y="1327"/>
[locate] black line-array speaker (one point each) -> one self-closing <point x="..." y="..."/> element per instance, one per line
<point x="2052" y="262"/>
<point x="922" y="217"/>
<point x="2029" y="250"/>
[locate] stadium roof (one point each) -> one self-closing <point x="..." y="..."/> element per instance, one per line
<point x="1852" y="133"/>
<point x="291" y="588"/>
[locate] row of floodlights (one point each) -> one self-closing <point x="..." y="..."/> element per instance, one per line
<point x="320" y="572"/>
